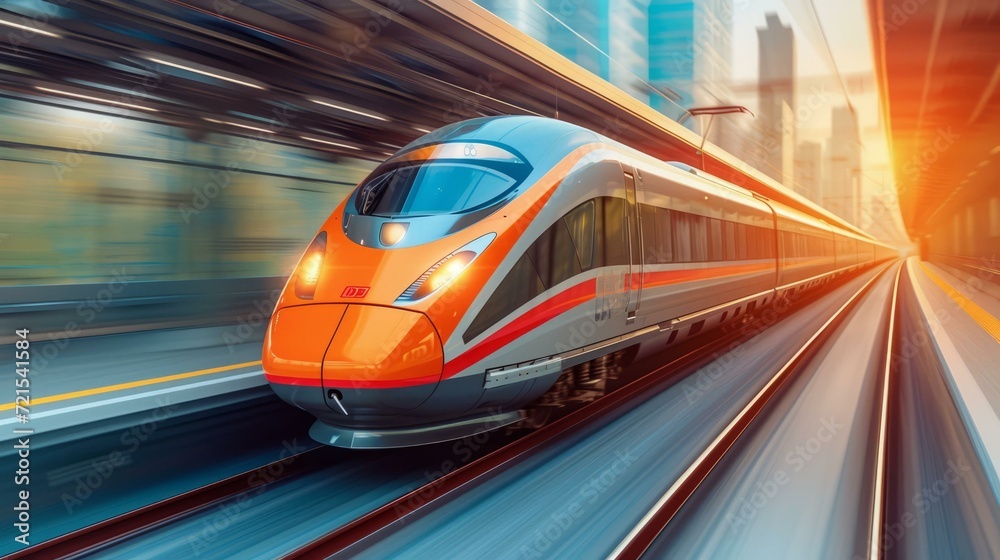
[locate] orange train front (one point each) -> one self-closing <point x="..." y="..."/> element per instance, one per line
<point x="465" y="273"/>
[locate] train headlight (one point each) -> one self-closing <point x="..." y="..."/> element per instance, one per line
<point x="310" y="266"/>
<point x="392" y="233"/>
<point x="445" y="270"/>
<point x="445" y="273"/>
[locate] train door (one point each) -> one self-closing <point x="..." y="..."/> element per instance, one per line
<point x="634" y="279"/>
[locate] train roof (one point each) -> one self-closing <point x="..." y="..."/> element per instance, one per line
<point x="525" y="134"/>
<point x="532" y="136"/>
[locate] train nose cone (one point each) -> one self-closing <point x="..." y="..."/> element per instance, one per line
<point x="295" y="342"/>
<point x="381" y="361"/>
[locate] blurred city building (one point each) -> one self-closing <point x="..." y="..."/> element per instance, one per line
<point x="845" y="165"/>
<point x="776" y="83"/>
<point x="690" y="54"/>
<point x="610" y="38"/>
<point x="809" y="170"/>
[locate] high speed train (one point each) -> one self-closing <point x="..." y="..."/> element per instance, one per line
<point x="470" y="269"/>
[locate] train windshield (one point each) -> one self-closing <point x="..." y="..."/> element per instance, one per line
<point x="441" y="179"/>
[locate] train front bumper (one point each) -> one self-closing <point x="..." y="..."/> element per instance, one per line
<point x="353" y="365"/>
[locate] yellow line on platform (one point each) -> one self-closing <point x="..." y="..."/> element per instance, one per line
<point x="980" y="315"/>
<point x="131" y="385"/>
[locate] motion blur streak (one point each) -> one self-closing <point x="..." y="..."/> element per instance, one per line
<point x="86" y="193"/>
<point x="133" y="384"/>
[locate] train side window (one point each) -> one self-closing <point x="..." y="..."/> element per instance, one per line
<point x="789" y="244"/>
<point x="716" y="252"/>
<point x="730" y="240"/>
<point x="741" y="242"/>
<point x="656" y="235"/>
<point x="666" y="254"/>
<point x="520" y="286"/>
<point x="650" y="242"/>
<point x="580" y="222"/>
<point x="767" y="245"/>
<point x="615" y="246"/>
<point x="699" y="238"/>
<point x="680" y="226"/>
<point x="554" y="255"/>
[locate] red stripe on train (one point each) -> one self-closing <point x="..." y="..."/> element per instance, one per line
<point x="552" y="307"/>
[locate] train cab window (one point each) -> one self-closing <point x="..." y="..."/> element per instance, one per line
<point x="441" y="179"/>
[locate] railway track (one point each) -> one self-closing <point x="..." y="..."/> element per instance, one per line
<point x="641" y="537"/>
<point x="880" y="492"/>
<point x="102" y="535"/>
<point x="419" y="502"/>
